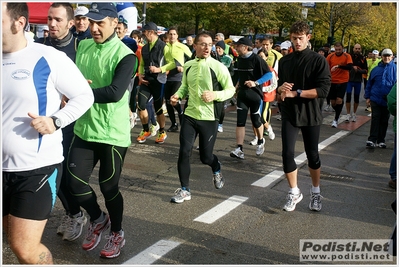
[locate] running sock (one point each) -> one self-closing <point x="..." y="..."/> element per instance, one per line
<point x="146" y="128"/>
<point x="240" y="146"/>
<point x="260" y="141"/>
<point x="316" y="189"/>
<point x="184" y="188"/>
<point x="295" y="190"/>
<point x="338" y="110"/>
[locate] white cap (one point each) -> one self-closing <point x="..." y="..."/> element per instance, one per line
<point x="375" y="52"/>
<point x="285" y="45"/>
<point x="45" y="28"/>
<point x="386" y="51"/>
<point x="332" y="49"/>
<point x="81" y="11"/>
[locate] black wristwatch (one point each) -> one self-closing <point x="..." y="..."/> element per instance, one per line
<point x="57" y="122"/>
<point x="298" y="93"/>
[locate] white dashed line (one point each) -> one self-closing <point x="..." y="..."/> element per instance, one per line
<point x="268" y="179"/>
<point x="220" y="210"/>
<point x="153" y="253"/>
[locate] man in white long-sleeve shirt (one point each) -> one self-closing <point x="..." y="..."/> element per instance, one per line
<point x="34" y="78"/>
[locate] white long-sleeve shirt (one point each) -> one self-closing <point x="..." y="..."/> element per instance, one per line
<point x="34" y="80"/>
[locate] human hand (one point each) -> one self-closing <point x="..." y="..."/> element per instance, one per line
<point x="208" y="96"/>
<point x="42" y="124"/>
<point x="174" y="99"/>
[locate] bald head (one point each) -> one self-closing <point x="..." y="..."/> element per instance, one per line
<point x="357" y="49"/>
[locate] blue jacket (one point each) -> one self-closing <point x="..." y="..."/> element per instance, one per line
<point x="381" y="80"/>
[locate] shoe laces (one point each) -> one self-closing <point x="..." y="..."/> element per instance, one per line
<point x="315" y="198"/>
<point x="65" y="221"/>
<point x="179" y="192"/>
<point x="217" y="176"/>
<point x="113" y="240"/>
<point x="290" y="198"/>
<point x="71" y="223"/>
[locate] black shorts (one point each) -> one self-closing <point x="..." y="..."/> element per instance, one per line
<point x="31" y="194"/>
<point x="337" y="90"/>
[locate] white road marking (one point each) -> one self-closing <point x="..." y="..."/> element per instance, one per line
<point x="153" y="253"/>
<point x="220" y="210"/>
<point x="268" y="179"/>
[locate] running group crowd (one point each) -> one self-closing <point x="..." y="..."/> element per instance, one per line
<point x="60" y="128"/>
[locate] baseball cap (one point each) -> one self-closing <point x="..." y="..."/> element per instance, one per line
<point x="45" y="28"/>
<point x="81" y="11"/>
<point x="150" y="26"/>
<point x="375" y="52"/>
<point x="244" y="41"/>
<point x="285" y="45"/>
<point x="99" y="11"/>
<point x="387" y="51"/>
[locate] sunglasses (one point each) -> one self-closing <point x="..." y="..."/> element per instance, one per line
<point x="386" y="55"/>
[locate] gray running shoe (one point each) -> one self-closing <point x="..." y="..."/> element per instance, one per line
<point x="237" y="153"/>
<point x="315" y="201"/>
<point x="292" y="200"/>
<point x="75" y="227"/>
<point x="64" y="224"/>
<point x="218" y="180"/>
<point x="180" y="196"/>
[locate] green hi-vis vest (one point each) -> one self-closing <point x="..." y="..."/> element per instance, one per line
<point x="106" y="123"/>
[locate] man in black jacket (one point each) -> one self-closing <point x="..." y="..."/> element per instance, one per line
<point x="304" y="82"/>
<point x="355" y="82"/>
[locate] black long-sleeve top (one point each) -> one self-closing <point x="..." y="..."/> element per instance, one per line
<point x="306" y="70"/>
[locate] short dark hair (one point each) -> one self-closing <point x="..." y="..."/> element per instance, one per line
<point x="300" y="27"/>
<point x="17" y="10"/>
<point x="268" y="38"/>
<point x="338" y="44"/>
<point x="202" y="34"/>
<point x="136" y="32"/>
<point x="68" y="7"/>
<point x="173" y="28"/>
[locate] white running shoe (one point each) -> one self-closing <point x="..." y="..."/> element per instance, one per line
<point x="292" y="200"/>
<point x="237" y="153"/>
<point x="272" y="135"/>
<point x="354" y="117"/>
<point x="133" y="118"/>
<point x="334" y="124"/>
<point x="154" y="129"/>
<point x="261" y="148"/>
<point x="254" y="142"/>
<point x="347" y="117"/>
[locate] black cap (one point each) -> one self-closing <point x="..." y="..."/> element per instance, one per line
<point x="150" y="26"/>
<point x="99" y="11"/>
<point x="244" y="41"/>
<point x="221" y="44"/>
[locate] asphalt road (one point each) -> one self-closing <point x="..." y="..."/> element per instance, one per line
<point x="242" y="223"/>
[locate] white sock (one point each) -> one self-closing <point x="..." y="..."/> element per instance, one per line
<point x="295" y="190"/>
<point x="316" y="189"/>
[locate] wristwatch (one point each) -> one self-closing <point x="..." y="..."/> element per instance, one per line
<point x="256" y="83"/>
<point x="298" y="93"/>
<point x="57" y="122"/>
